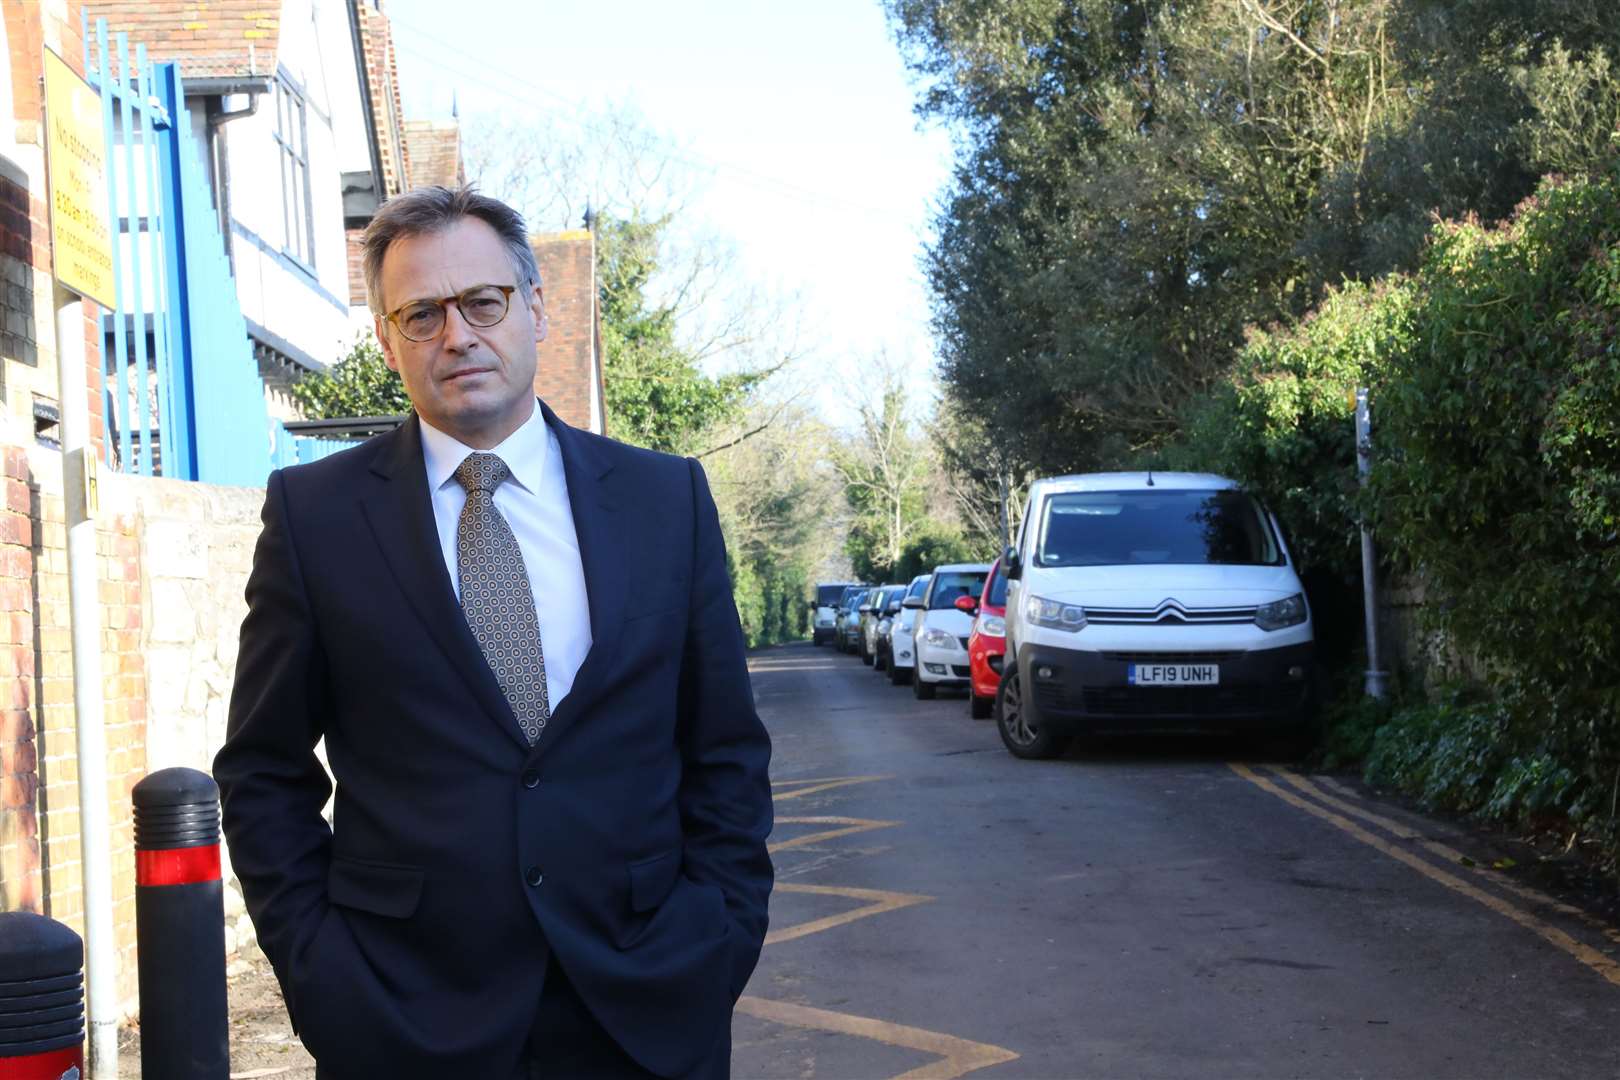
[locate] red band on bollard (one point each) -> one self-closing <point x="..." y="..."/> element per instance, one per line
<point x="176" y="866"/>
<point x="52" y="1065"/>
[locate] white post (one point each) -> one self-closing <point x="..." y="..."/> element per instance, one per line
<point x="1377" y="679"/>
<point x="101" y="951"/>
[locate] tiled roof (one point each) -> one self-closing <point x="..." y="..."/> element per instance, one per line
<point x="433" y="149"/>
<point x="209" y="38"/>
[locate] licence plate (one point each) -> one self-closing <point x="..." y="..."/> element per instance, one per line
<point x="1173" y="674"/>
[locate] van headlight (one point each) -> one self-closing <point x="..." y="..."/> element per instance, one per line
<point x="1281" y="613"/>
<point x="1050" y="613"/>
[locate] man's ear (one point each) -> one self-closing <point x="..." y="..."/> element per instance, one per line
<point x="537" y="307"/>
<point x="380" y="328"/>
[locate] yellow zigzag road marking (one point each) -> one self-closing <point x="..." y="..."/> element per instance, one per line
<point x="879" y="902"/>
<point x="852" y="825"/>
<point x="958" y="1057"/>
<point x="1476" y="866"/>
<point x="826" y="784"/>
<point x="1551" y="934"/>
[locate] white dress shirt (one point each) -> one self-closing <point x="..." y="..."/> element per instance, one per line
<point x="534" y="501"/>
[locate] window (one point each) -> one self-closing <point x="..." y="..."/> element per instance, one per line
<point x="292" y="139"/>
<point x="1118" y="528"/>
<point x="951" y="584"/>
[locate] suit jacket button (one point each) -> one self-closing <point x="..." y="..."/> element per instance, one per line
<point x="531" y="778"/>
<point x="533" y="876"/>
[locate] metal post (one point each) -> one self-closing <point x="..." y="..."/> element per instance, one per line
<point x="1377" y="679"/>
<point x="1001" y="484"/>
<point x="78" y="485"/>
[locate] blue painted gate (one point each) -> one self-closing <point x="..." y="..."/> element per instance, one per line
<point x="181" y="392"/>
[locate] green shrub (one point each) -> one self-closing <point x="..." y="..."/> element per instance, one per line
<point x="1496" y="476"/>
<point x="1283" y="421"/>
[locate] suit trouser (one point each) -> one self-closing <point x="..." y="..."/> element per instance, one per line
<point x="567" y="1043"/>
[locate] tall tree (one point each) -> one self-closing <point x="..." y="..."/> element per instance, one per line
<point x="885" y="469"/>
<point x="686" y="337"/>
<point x="1138" y="181"/>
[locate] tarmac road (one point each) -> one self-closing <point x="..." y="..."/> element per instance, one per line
<point x="1147" y="908"/>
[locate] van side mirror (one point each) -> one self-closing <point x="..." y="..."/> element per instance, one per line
<point x="1014" y="565"/>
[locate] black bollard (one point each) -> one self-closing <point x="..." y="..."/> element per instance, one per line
<point x="180" y="921"/>
<point x="41" y="999"/>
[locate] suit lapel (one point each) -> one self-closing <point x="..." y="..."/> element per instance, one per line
<point x="600" y="529"/>
<point x="400" y="513"/>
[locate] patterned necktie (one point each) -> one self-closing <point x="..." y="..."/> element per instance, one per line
<point x="495" y="594"/>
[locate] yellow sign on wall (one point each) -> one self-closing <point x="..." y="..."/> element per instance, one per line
<point x="76" y="163"/>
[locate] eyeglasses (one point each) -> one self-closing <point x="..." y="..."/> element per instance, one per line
<point x="482" y="306"/>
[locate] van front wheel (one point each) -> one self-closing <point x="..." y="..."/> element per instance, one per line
<point x="1020" y="733"/>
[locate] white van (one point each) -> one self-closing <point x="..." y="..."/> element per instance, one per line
<point x="1159" y="602"/>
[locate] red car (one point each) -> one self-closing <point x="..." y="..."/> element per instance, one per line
<point x="987" y="644"/>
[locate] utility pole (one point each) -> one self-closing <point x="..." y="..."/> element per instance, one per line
<point x="1377" y="679"/>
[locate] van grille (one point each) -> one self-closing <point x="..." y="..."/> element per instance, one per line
<point x="1170" y="613"/>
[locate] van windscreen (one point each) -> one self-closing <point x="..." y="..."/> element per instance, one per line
<point x="827" y="595"/>
<point x="1129" y="528"/>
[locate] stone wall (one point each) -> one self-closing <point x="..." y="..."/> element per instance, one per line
<point x="172" y="562"/>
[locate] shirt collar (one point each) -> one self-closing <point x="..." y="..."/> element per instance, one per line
<point x="524" y="452"/>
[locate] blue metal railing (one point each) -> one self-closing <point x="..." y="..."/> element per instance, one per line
<point x="188" y="404"/>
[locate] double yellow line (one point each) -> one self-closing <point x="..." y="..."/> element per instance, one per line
<point x="1338" y="812"/>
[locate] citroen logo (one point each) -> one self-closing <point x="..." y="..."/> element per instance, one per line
<point x="1170" y="611"/>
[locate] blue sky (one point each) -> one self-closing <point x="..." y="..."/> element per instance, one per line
<point x="799" y="117"/>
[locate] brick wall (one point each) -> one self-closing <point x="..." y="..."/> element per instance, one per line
<point x="20" y="886"/>
<point x="382" y="75"/>
<point x="38" y="627"/>
<point x="568" y="378"/>
<point x="31" y="25"/>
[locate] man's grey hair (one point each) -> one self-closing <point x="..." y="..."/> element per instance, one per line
<point x="433" y="209"/>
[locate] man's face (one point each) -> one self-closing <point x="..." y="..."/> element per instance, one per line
<point x="473" y="383"/>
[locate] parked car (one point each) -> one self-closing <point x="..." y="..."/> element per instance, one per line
<point x="987" y="643"/>
<point x="883" y="604"/>
<point x="847" y="626"/>
<point x="824" y="610"/>
<point x="942" y="627"/>
<point x="1151" y="602"/>
<point x="867" y="619"/>
<point x="902" y="645"/>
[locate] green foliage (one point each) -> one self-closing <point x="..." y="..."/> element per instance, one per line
<point x="933" y="545"/>
<point x="885" y="470"/>
<point x="1500" y="443"/>
<point x="360" y="384"/>
<point x="1283" y="421"/>
<point x="657" y="396"/>
<point x="772" y="501"/>
<point x="1139" y="180"/>
<point x="1495" y="375"/>
<point x="1447" y="754"/>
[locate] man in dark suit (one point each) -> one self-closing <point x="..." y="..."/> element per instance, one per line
<point x="547" y="851"/>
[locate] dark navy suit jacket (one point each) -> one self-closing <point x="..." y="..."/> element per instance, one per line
<point x="411" y="938"/>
